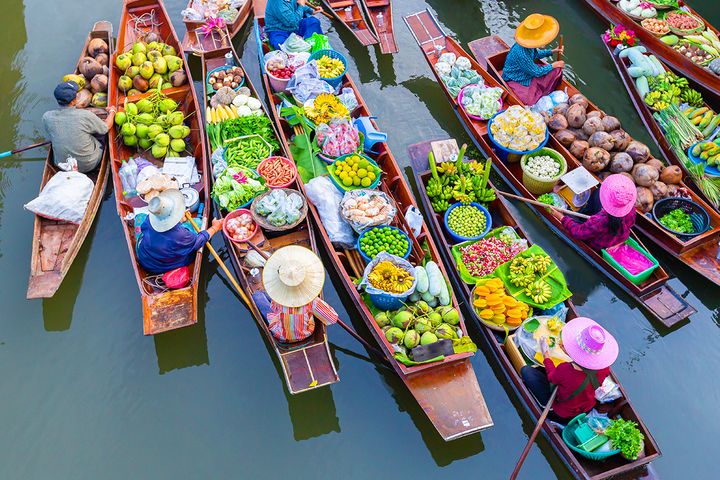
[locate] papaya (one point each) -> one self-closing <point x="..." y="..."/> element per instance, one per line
<point x="704" y="155"/>
<point x="706" y="119"/>
<point x="713" y="152"/>
<point x="699" y="111"/>
<point x="707" y="146"/>
<point x="710" y="128"/>
<point x="697" y="149"/>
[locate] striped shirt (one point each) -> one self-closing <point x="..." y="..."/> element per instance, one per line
<point x="293" y="324"/>
<point x="520" y="64"/>
<point x="595" y="231"/>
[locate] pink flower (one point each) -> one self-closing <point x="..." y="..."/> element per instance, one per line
<point x="240" y="177"/>
<point x="212" y="23"/>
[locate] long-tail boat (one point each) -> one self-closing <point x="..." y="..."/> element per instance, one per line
<point x="652" y="125"/>
<point x="349" y="13"/>
<point x="448" y="390"/>
<point x="580" y="466"/>
<point x="308" y="364"/>
<point x="197" y="42"/>
<point x="704" y="77"/>
<point x="700" y="252"/>
<point x="654" y="294"/>
<point x="56" y="243"/>
<point x="379" y="13"/>
<point x="163" y="309"/>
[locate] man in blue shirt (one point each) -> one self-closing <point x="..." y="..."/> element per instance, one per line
<point x="283" y="17"/>
<point x="162" y="242"/>
<point x="527" y="79"/>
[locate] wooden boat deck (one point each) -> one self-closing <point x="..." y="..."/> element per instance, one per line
<point x="56" y="243"/>
<point x="385" y="32"/>
<point x="448" y="391"/>
<point x="308" y="365"/>
<point x="501" y="215"/>
<point x="658" y="298"/>
<point x="708" y="81"/>
<point x="163" y="310"/>
<point x="196" y="43"/>
<point x="699" y="253"/>
<point x="355" y="22"/>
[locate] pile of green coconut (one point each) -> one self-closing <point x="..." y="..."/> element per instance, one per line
<point x="419" y="324"/>
<point x="149" y="64"/>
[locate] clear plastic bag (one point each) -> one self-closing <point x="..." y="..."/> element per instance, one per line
<point x="297" y="60"/>
<point x="326" y="198"/>
<point x="365" y="208"/>
<point x="65" y="196"/>
<point x="348" y="98"/>
<point x="308" y="89"/>
<point x="608" y="391"/>
<point x="295" y="44"/>
<point x="414" y="219"/>
<point x="337" y="138"/>
<point x="275" y="59"/>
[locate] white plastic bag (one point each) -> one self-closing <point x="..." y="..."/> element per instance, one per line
<point x="325" y="196"/>
<point x="295" y="44"/>
<point x="414" y="219"/>
<point x="65" y="197"/>
<point x="608" y="391"/>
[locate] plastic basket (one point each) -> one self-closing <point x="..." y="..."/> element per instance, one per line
<point x="694" y="31"/>
<point x="343" y="188"/>
<point x="699" y="217"/>
<point x="460" y="98"/>
<point x="287" y="162"/>
<point x="535" y="184"/>
<point x="568" y="435"/>
<point x="222" y="67"/>
<point x="237" y="213"/>
<point x="505" y="153"/>
<point x="385" y="302"/>
<point x="459" y="238"/>
<point x="334" y="82"/>
<point x="640" y="277"/>
<point x="710" y="170"/>
<point x="368" y="259"/>
<point x="278" y="85"/>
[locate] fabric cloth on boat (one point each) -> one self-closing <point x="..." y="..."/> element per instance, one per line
<point x="160" y="252"/>
<point x="538" y="88"/>
<point x="537" y="30"/>
<point x="283" y="17"/>
<point x="75" y="132"/>
<point x="293" y="324"/>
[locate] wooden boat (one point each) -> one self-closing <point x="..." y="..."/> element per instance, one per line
<point x="308" y="365"/>
<point x="580" y="466"/>
<point x="654" y="295"/>
<point x="447" y="391"/>
<point x="163" y="309"/>
<point x="653" y="127"/>
<point x="196" y="42"/>
<point x="379" y="13"/>
<point x="56" y="243"/>
<point x="699" y="253"/>
<point x="349" y="13"/>
<point x="706" y="79"/>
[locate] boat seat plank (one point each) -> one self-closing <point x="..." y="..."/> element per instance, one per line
<point x="377" y="3"/>
<point x="307" y="365"/>
<point x="342" y="4"/>
<point x="669" y="307"/>
<point x="54" y="244"/>
<point x="486" y="47"/>
<point x="451" y="396"/>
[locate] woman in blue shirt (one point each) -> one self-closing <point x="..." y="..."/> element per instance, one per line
<point x="528" y="79"/>
<point x="163" y="243"/>
<point x="283" y="17"/>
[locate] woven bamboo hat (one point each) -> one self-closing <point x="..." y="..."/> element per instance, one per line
<point x="537" y="30"/>
<point x="293" y="276"/>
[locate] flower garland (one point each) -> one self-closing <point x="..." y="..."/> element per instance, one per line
<point x="619" y="35"/>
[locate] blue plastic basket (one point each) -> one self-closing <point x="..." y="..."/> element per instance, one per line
<point x="460" y="238"/>
<point x="504" y="152"/>
<point x="713" y="170"/>
<point x="343" y="188"/>
<point x="210" y="89"/>
<point x="383" y="301"/>
<point x="568" y="435"/>
<point x="368" y="259"/>
<point x="334" y="82"/>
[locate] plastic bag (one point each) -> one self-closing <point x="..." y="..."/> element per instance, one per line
<point x="448" y="57"/>
<point x="559" y="96"/>
<point x="544" y="105"/>
<point x="365" y="208"/>
<point x="397" y="261"/>
<point x="633" y="261"/>
<point x="337" y="138"/>
<point x="177" y="278"/>
<point x="65" y="196"/>
<point x="294" y="44"/>
<point x="608" y="391"/>
<point x="309" y="89"/>
<point x="297" y="60"/>
<point x="128" y="177"/>
<point x="348" y="98"/>
<point x="326" y="198"/>
<point x="319" y="41"/>
<point x="275" y="59"/>
<point x="190" y="14"/>
<point x="414" y="219"/>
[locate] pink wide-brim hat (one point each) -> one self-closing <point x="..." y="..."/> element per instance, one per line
<point x="589" y="344"/>
<point x="618" y="195"/>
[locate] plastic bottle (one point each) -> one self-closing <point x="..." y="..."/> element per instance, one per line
<point x="380" y="21"/>
<point x="128" y="172"/>
<point x="348" y="14"/>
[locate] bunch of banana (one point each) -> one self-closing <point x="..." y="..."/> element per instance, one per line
<point x="692" y="98"/>
<point x="539" y="291"/>
<point x="390" y="278"/>
<point x="541" y="262"/>
<point x="447" y="168"/>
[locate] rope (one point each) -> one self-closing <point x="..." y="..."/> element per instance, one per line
<point x="156" y="283"/>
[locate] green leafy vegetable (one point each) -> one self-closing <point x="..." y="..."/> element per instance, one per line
<point x="249" y="125"/>
<point x="235" y="187"/>
<point x="625" y="436"/>
<point x="678" y="221"/>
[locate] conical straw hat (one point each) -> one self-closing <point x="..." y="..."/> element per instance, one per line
<point x="537" y="30"/>
<point x="293" y="276"/>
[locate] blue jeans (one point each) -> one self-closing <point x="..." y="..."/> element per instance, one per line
<point x="308" y="26"/>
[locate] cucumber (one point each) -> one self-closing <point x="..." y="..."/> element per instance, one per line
<point x="422" y="280"/>
<point x="642" y="85"/>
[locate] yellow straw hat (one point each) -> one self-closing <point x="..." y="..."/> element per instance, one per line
<point x="537" y="30"/>
<point x="293" y="276"/>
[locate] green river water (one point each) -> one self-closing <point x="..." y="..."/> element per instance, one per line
<point x="87" y="396"/>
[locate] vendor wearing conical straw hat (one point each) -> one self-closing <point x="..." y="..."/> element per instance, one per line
<point x="293" y="278"/>
<point x="592" y="350"/>
<point x="529" y="80"/>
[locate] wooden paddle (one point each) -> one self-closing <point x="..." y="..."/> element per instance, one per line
<point x="23" y="149"/>
<point x="535" y="432"/>
<point x="561" y="44"/>
<point x="541" y="204"/>
<point x="230" y="276"/>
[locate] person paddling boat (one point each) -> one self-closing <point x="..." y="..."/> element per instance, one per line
<point x="523" y="74"/>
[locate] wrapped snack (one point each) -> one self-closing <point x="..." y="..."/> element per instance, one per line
<point x="365" y="208"/>
<point x="519" y="129"/>
<point x="483" y="102"/>
<point x="338" y="137"/>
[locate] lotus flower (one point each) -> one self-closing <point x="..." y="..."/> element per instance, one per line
<point x="211" y="24"/>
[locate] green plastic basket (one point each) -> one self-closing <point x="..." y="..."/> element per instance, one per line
<point x="568" y="435"/>
<point x="535" y="184"/>
<point x="640" y="277"/>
